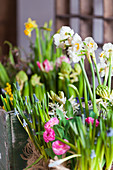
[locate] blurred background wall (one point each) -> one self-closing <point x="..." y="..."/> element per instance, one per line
<point x="40" y="10"/>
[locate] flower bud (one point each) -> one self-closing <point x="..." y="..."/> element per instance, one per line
<point x="102" y="91"/>
<point x="77" y="68"/>
<point x="65" y="68"/>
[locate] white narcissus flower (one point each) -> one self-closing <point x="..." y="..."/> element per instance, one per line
<point x="102" y="68"/>
<point x="91" y="46"/>
<point x="75" y="50"/>
<point x="74" y="55"/>
<point x="108" y="47"/>
<point x="77" y="43"/>
<point x="63" y="38"/>
<point x="57" y="41"/>
<point x="102" y="56"/>
<point x="66" y="32"/>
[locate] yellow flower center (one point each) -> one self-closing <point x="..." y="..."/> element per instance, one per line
<point x="101" y="55"/>
<point x="91" y="44"/>
<point x="77" y="44"/>
<point x="101" y="69"/>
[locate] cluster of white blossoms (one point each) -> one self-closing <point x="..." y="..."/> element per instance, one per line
<point x="76" y="48"/>
<point x="104" y="57"/>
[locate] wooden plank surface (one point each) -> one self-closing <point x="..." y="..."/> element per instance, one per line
<point x="7" y="23"/>
<point x="86" y="8"/>
<point x="17" y="139"/>
<point x="13" y="139"/>
<point x="62" y="7"/>
<point x="4" y="162"/>
<point x="108" y="25"/>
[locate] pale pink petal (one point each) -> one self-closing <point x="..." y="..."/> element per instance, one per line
<point x="53" y="121"/>
<point x="59" y="147"/>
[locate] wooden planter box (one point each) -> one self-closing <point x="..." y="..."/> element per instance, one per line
<point x="13" y="138"/>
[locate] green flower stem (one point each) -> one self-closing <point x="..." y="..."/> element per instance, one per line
<point x="38" y="55"/>
<point x="98" y="75"/>
<point x="31" y="138"/>
<point x="106" y="77"/>
<point x="20" y="120"/>
<point x="93" y="80"/>
<point x="87" y="81"/>
<point x="41" y="112"/>
<point x="102" y="154"/>
<point x="110" y="69"/>
<point x="67" y="143"/>
<point x="67" y="87"/>
<point x="76" y="90"/>
<point x="85" y="97"/>
<point x="86" y="100"/>
<point x="81" y="84"/>
<point x="108" y="167"/>
<point x="10" y="52"/>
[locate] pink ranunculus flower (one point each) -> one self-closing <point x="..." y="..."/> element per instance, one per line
<point x="47" y="66"/>
<point x="59" y="147"/>
<point x="62" y="59"/>
<point x="90" y="119"/>
<point x="49" y="135"/>
<point x="53" y="121"/>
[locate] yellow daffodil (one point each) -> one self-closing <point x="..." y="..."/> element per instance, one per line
<point x="30" y="24"/>
<point x="27" y="32"/>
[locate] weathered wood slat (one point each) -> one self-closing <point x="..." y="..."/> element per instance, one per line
<point x="4" y="162"/>
<point x="13" y="138"/>
<point x="62" y="7"/>
<point x="8" y="23"/>
<point x="86" y="8"/>
<point x="108" y="25"/>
